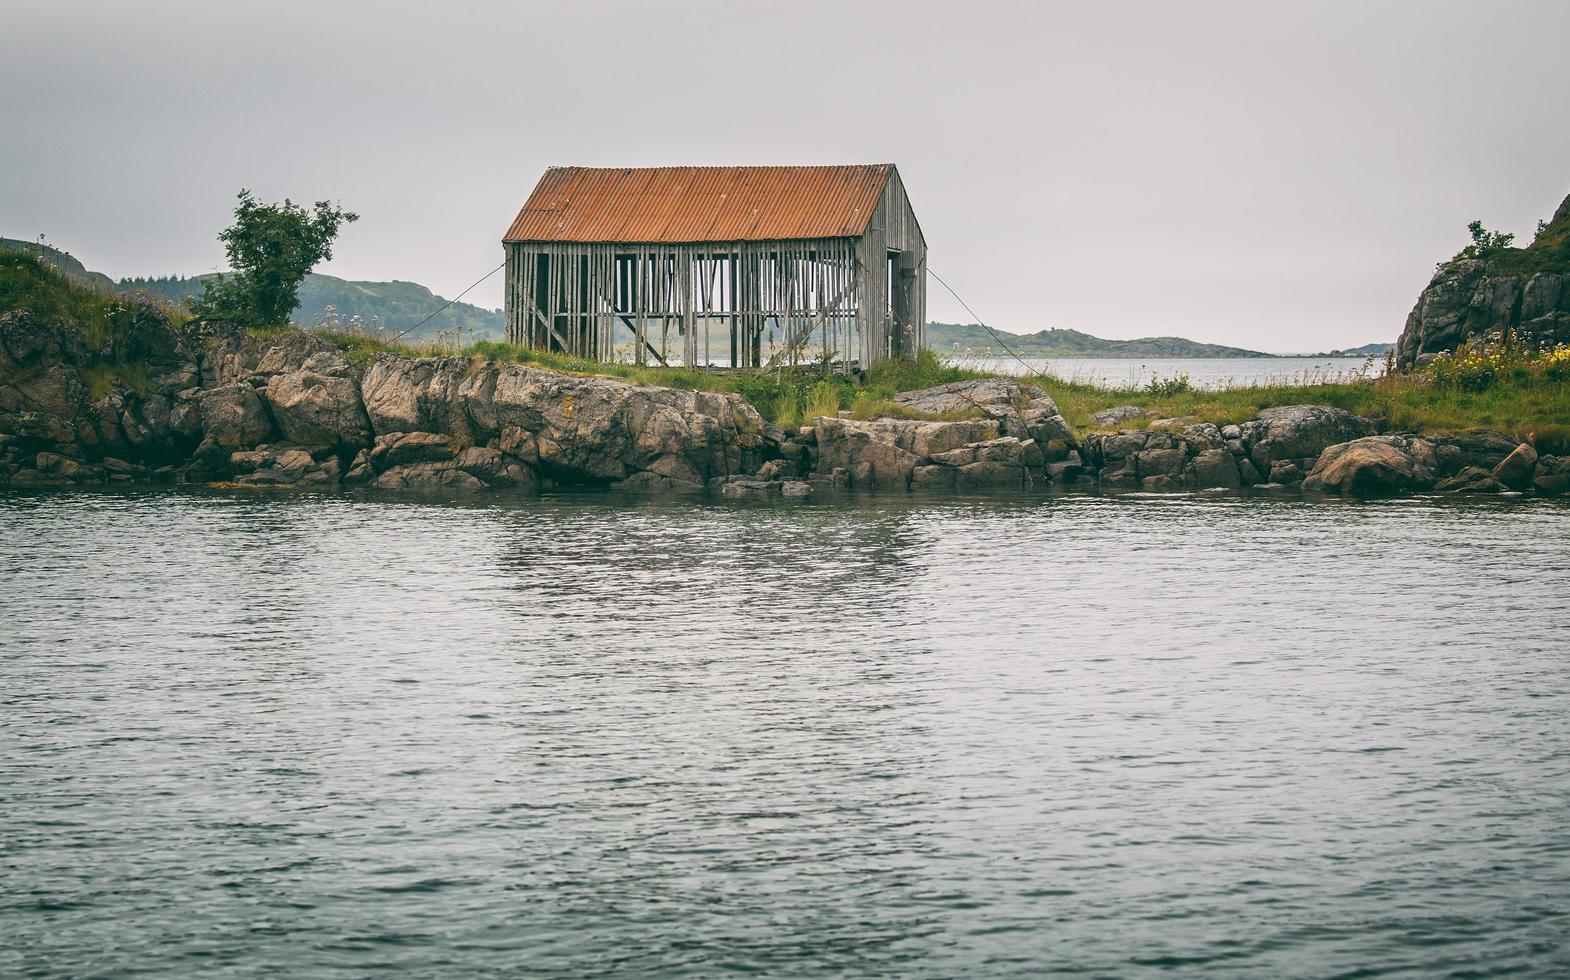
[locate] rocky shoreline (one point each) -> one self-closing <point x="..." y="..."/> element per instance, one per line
<point x="222" y="405"/>
<point x="1320" y="449"/>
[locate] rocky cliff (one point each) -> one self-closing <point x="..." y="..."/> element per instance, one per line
<point x="1523" y="290"/>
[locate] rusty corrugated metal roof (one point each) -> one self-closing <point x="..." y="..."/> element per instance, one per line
<point x="699" y="204"/>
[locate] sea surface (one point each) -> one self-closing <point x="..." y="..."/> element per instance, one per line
<point x="1202" y="372"/>
<point x="294" y="735"/>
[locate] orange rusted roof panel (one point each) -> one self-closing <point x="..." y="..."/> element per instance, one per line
<point x="699" y="204"/>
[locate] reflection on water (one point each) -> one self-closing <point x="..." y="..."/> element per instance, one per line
<point x="590" y="735"/>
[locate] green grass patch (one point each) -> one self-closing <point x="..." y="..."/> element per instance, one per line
<point x="1524" y="408"/>
<point x="31" y="285"/>
<point x="359" y="347"/>
<point x="101" y="379"/>
<point x="1548" y="252"/>
<point x="107" y="321"/>
<point x="1552" y="438"/>
<point x="928" y="370"/>
<point x="796" y="397"/>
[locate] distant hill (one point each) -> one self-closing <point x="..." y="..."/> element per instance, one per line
<point x="400" y="305"/>
<point x="973" y="337"/>
<point x="63" y="262"/>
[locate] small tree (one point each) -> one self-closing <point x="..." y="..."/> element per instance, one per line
<point x="1485" y="242"/>
<point x="271" y="249"/>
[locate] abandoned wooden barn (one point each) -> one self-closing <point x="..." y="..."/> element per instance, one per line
<point x="719" y="265"/>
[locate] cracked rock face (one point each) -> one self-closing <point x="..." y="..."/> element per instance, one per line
<point x="1021" y="410"/>
<point x="1478" y="297"/>
<point x="319" y="403"/>
<point x="578" y="429"/>
<point x="449" y="395"/>
<point x="232" y="415"/>
<point x="906" y="454"/>
<point x="314" y="407"/>
<point x="1295" y="432"/>
<point x="1466" y="299"/>
<point x="990" y="397"/>
<point x="600" y="429"/>
<point x="1374" y="465"/>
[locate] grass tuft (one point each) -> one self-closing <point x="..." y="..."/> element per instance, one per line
<point x="101" y="379"/>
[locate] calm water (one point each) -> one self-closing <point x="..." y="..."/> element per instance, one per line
<point x="308" y="736"/>
<point x="1202" y="372"/>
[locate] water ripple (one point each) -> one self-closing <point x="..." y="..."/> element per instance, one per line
<point x="328" y="735"/>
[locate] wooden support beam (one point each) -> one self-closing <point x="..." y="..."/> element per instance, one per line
<point x="635" y="332"/>
<point x="549" y="326"/>
<point x="802" y="336"/>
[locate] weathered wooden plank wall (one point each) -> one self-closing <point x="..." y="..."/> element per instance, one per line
<point x="907" y="289"/>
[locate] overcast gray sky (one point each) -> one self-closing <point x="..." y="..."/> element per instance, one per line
<point x="1270" y="175"/>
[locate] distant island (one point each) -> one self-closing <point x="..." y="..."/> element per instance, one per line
<point x="1375" y="350"/>
<point x="973" y="338"/>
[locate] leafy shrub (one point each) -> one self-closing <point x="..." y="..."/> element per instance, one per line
<point x="1466" y="370"/>
<point x="1485" y="242"/>
<point x="271" y="249"/>
<point x="1159" y="387"/>
<point x="1555" y="363"/>
<point x="1480" y="364"/>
